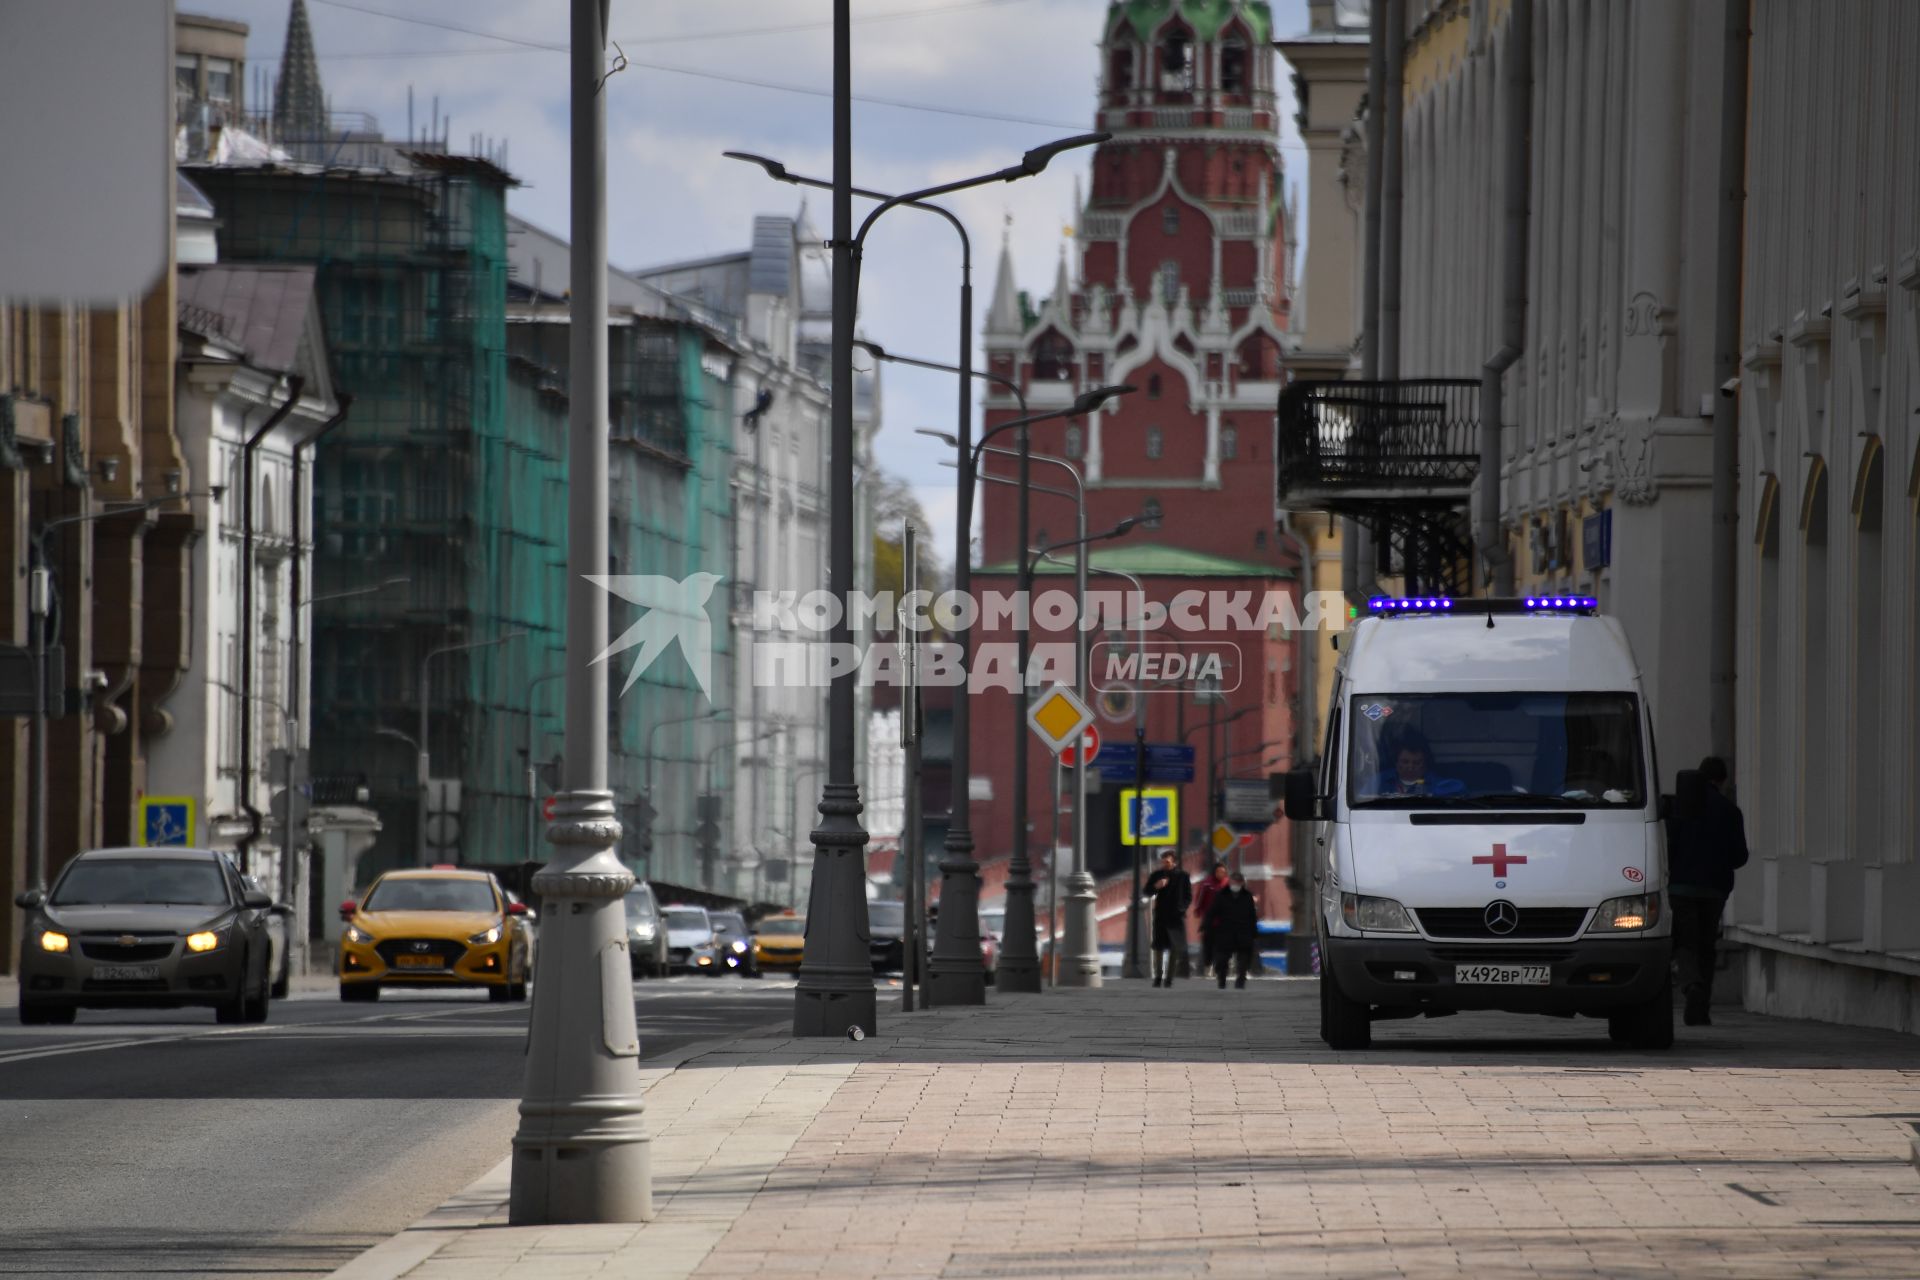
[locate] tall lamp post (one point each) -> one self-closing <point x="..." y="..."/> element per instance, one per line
<point x="580" y="1153"/>
<point x="835" y="992"/>
<point x="835" y="989"/>
<point x="425" y="758"/>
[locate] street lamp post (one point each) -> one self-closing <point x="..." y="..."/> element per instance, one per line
<point x="424" y="759"/>
<point x="581" y="1153"/>
<point x="835" y="994"/>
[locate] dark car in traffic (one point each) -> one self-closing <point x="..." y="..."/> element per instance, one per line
<point x="733" y="943"/>
<point x="159" y="928"/>
<point x="886" y="932"/>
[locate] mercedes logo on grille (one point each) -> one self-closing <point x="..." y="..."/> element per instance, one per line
<point x="1502" y="917"/>
<point x="422" y="946"/>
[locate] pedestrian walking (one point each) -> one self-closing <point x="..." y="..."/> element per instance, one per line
<point x="1705" y="847"/>
<point x="1172" y="893"/>
<point x="1203" y="897"/>
<point x="1231" y="926"/>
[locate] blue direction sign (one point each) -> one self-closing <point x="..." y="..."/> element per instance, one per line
<point x="1166" y="762"/>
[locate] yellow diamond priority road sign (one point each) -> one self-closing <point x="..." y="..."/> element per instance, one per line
<point x="1223" y="837"/>
<point x="1059" y="718"/>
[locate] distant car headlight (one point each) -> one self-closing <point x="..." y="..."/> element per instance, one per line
<point x="739" y="948"/>
<point x="206" y="940"/>
<point x="485" y="937"/>
<point x="1619" y="915"/>
<point x="356" y="934"/>
<point x="643" y="930"/>
<point x="1375" y="915"/>
<point x="55" y="942"/>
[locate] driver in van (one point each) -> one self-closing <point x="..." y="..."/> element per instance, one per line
<point x="1412" y="774"/>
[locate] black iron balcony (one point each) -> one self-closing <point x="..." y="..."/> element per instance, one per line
<point x="1350" y="445"/>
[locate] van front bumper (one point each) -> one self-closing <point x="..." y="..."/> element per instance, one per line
<point x="1588" y="975"/>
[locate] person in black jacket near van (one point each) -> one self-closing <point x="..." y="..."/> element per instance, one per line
<point x="1704" y="849"/>
<point x="1232" y="926"/>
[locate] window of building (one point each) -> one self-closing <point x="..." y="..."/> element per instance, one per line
<point x="220" y="79"/>
<point x="1156" y="444"/>
<point x="1176" y="63"/>
<point x="1169" y="281"/>
<point x="1233" y="67"/>
<point x="1229" y="443"/>
<point x="1052" y="358"/>
<point x="1074" y="442"/>
<point x="186" y="74"/>
<point x="1120" y="71"/>
<point x="1153" y="386"/>
<point x="1818" y="773"/>
<point x="1150" y="513"/>
<point x="1170" y="219"/>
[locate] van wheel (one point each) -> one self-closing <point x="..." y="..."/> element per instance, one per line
<point x="1646" y="1026"/>
<point x="1348" y="1022"/>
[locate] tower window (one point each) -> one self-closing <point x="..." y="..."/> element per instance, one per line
<point x="1170" y="219"/>
<point x="1153" y="386"/>
<point x="1176" y="64"/>
<point x="1150" y="513"/>
<point x="1075" y="445"/>
<point x="1229" y="443"/>
<point x="1120" y="72"/>
<point x="1052" y="358"/>
<point x="1156" y="443"/>
<point x="1233" y="67"/>
<point x="1169" y="281"/>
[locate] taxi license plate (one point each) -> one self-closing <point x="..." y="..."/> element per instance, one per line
<point x="1503" y="975"/>
<point x="418" y="962"/>
<point x="126" y="972"/>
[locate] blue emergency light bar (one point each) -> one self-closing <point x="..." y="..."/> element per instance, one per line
<point x="1400" y="606"/>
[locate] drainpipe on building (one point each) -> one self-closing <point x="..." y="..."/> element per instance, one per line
<point x="296" y="713"/>
<point x="1724" y="570"/>
<point x="1351" y="532"/>
<point x="1517" y="90"/>
<point x="295" y="385"/>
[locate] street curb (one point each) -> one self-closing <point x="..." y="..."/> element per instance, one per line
<point x="485" y="1198"/>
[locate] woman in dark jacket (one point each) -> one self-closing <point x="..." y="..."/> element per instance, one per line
<point x="1232" y="925"/>
<point x="1171" y="892"/>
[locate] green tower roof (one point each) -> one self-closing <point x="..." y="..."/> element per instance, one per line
<point x="1206" y="17"/>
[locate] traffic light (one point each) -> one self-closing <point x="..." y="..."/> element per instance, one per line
<point x="706" y="834"/>
<point x="643" y="815"/>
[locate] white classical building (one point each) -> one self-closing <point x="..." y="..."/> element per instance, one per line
<point x="779" y="295"/>
<point x="1607" y="442"/>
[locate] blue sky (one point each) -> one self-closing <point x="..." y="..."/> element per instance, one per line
<point x="672" y="196"/>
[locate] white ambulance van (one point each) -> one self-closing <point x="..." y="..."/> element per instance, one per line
<point x="1487" y="821"/>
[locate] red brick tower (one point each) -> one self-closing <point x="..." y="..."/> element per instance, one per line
<point x="1177" y="282"/>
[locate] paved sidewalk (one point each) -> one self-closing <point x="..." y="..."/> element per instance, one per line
<point x="1194" y="1132"/>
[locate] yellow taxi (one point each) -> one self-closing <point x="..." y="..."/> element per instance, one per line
<point x="435" y="927"/>
<point x="779" y="940"/>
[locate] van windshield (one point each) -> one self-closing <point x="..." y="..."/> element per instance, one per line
<point x="1505" y="750"/>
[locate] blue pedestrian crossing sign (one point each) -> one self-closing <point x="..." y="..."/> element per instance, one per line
<point x="166" y="820"/>
<point x="1159" y="810"/>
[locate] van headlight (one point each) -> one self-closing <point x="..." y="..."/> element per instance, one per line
<point x="1374" y="915"/>
<point x="1619" y="915"/>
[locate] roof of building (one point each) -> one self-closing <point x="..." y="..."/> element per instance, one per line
<point x="262" y="309"/>
<point x="1155" y="560"/>
<point x="1206" y="17"/>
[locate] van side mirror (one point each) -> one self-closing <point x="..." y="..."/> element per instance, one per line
<point x="1302" y="804"/>
<point x="28" y="899"/>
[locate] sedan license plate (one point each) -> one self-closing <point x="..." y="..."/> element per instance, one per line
<point x="1504" y="975"/>
<point x="418" y="962"/>
<point x="126" y="972"/>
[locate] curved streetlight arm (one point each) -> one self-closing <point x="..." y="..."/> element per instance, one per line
<point x="1244" y="711"/>
<point x="1086" y="402"/>
<point x="879" y="352"/>
<point x="1068" y="494"/>
<point x="779" y="173"/>
<point x="400" y="734"/>
<point x="711" y="714"/>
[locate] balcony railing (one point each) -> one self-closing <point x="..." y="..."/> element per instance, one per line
<point x="1347" y="443"/>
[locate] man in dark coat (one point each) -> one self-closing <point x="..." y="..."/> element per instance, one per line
<point x="1172" y="893"/>
<point x="1232" y="925"/>
<point x="1203" y="896"/>
<point x="1704" y="849"/>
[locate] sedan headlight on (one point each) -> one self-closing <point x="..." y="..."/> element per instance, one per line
<point x="205" y="940"/>
<point x="1618" y="915"/>
<point x="1375" y="915"/>
<point x="55" y="942"/>
<point x="356" y="934"/>
<point x="485" y="937"/>
<point x="643" y="930"/>
<point x="739" y="948"/>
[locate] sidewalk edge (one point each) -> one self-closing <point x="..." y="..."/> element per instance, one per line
<point x="485" y="1198"/>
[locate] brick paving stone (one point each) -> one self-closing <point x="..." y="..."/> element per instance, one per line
<point x="1134" y="1132"/>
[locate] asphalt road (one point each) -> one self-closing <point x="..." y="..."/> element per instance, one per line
<point x="139" y="1144"/>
